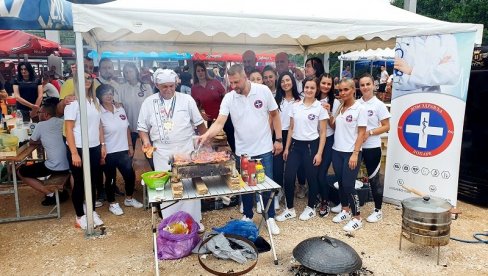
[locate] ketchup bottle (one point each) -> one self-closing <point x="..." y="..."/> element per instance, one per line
<point x="251" y="171"/>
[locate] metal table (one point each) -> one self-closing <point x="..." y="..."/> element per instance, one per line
<point x="217" y="187"/>
<point x="14" y="161"/>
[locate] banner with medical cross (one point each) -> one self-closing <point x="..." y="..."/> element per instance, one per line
<point x="430" y="83"/>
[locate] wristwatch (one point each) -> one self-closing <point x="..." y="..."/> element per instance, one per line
<point x="279" y="140"/>
<point x="371" y="133"/>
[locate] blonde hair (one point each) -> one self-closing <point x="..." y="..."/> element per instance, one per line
<point x="349" y="82"/>
<point x="90" y="93"/>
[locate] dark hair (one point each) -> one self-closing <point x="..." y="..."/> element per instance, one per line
<point x="201" y="65"/>
<point x="270" y="68"/>
<point x="256" y="71"/>
<point x="29" y="68"/>
<point x="102" y="89"/>
<point x="330" y="94"/>
<point x="105" y="59"/>
<point x="317" y="65"/>
<point x="49" y="105"/>
<point x="314" y="79"/>
<point x="280" y="93"/>
<point x="367" y="75"/>
<point x="186" y="68"/>
<point x="133" y="66"/>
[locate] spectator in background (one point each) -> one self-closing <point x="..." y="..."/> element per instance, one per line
<point x="383" y="79"/>
<point x="314" y="67"/>
<point x="256" y="76"/>
<point x="207" y="92"/>
<point x="346" y="73"/>
<point x="48" y="88"/>
<point x="269" y="78"/>
<point x="186" y="80"/>
<point x="217" y="75"/>
<point x="282" y="62"/>
<point x="107" y="75"/>
<point x="3" y="93"/>
<point x="249" y="61"/>
<point x="27" y="91"/>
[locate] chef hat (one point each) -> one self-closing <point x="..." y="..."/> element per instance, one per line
<point x="164" y="76"/>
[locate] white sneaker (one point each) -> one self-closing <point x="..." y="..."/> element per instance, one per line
<point x="287" y="214"/>
<point x="307" y="213"/>
<point x="81" y="222"/>
<point x="342" y="216"/>
<point x="132" y="203"/>
<point x="98" y="203"/>
<point x="244" y="218"/>
<point x="201" y="228"/>
<point x="336" y="185"/>
<point x="97" y="220"/>
<point x="115" y="209"/>
<point x="241" y="208"/>
<point x="277" y="203"/>
<point x="353" y="225"/>
<point x="275" y="230"/>
<point x="337" y="209"/>
<point x="376" y="216"/>
<point x="259" y="210"/>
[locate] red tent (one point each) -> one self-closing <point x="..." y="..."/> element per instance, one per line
<point x="15" y="43"/>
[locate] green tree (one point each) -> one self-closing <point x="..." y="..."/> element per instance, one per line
<point x="462" y="11"/>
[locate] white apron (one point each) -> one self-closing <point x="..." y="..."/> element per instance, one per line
<point x="160" y="158"/>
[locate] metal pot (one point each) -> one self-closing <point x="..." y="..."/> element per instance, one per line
<point x="426" y="220"/>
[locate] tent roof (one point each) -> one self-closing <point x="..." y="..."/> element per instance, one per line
<point x="370" y="54"/>
<point x="264" y="26"/>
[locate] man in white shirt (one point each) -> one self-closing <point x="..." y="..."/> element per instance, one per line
<point x="251" y="105"/>
<point x="249" y="61"/>
<point x="383" y="79"/>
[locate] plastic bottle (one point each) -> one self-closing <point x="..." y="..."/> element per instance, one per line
<point x="244" y="167"/>
<point x="260" y="175"/>
<point x="251" y="171"/>
<point x="19" y="119"/>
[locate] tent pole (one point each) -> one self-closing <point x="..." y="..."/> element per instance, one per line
<point x="305" y="55"/>
<point x="341" y="65"/>
<point x="84" y="133"/>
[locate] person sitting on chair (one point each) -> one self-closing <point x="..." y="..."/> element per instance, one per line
<point x="49" y="133"/>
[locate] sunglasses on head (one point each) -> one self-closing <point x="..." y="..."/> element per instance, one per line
<point x="90" y="76"/>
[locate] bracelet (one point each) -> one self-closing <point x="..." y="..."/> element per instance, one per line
<point x="356" y="151"/>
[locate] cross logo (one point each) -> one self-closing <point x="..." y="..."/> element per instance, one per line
<point x="258" y="104"/>
<point x="122" y="116"/>
<point x="349" y="118"/>
<point x="311" y="117"/>
<point x="370" y="113"/>
<point x="425" y="129"/>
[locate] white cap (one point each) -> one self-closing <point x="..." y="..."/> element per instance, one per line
<point x="164" y="76"/>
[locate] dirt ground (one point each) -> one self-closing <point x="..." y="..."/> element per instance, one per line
<point x="55" y="247"/>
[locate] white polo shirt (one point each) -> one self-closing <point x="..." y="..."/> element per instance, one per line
<point x="346" y="127"/>
<point x="72" y="113"/>
<point x="285" y="108"/>
<point x="250" y="116"/>
<point x="185" y="116"/>
<point x="335" y="107"/>
<point x="115" y="129"/>
<point x="377" y="112"/>
<point x="306" y="120"/>
<point x="132" y="97"/>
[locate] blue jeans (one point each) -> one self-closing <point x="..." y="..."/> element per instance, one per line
<point x="248" y="200"/>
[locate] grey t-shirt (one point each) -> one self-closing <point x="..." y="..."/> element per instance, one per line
<point x="50" y="133"/>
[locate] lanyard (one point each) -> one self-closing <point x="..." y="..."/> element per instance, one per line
<point x="169" y="113"/>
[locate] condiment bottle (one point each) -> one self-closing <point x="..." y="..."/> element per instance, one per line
<point x="251" y="170"/>
<point x="260" y="175"/>
<point x="244" y="167"/>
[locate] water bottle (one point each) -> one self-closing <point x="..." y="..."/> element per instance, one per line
<point x="260" y="174"/>
<point x="19" y="119"/>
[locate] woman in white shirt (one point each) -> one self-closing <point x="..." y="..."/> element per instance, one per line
<point x="378" y="123"/>
<point x="119" y="149"/>
<point x="305" y="144"/>
<point x="286" y="95"/>
<point x="350" y="127"/>
<point x="326" y="97"/>
<point x="96" y="144"/>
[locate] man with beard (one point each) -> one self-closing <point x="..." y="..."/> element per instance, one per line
<point x="251" y="106"/>
<point x="249" y="61"/>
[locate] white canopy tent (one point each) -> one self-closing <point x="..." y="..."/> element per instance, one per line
<point x="264" y="26"/>
<point x="378" y="54"/>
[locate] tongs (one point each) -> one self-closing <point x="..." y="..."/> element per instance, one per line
<point x="194" y="153"/>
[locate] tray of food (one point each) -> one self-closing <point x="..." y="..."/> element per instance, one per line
<point x="204" y="163"/>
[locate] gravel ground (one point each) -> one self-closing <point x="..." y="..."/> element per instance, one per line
<point x="54" y="247"/>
